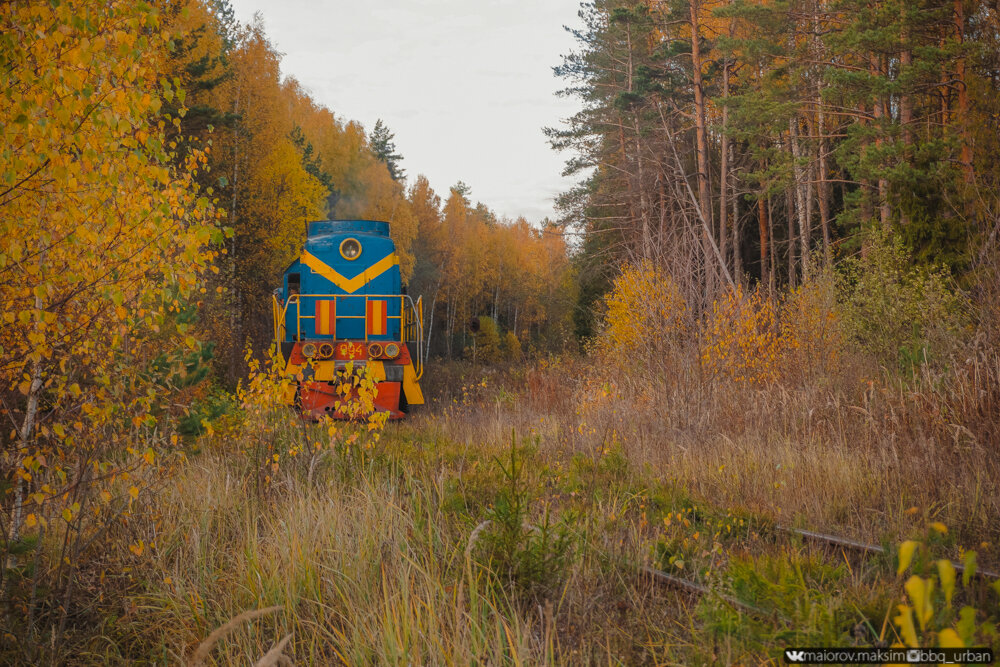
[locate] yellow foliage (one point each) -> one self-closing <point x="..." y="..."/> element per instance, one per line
<point x="104" y="238"/>
<point x="741" y="338"/>
<point x="646" y="313"/>
<point x="265" y="413"/>
<point x="932" y="627"/>
<point x="811" y="328"/>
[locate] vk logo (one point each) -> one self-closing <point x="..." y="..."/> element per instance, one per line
<point x="795" y="656"/>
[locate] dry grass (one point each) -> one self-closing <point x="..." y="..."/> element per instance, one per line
<point x="389" y="555"/>
<point x="205" y="648"/>
<point x="363" y="571"/>
<point x="854" y="455"/>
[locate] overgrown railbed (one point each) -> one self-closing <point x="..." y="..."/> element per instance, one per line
<point x="517" y="518"/>
<point x="499" y="526"/>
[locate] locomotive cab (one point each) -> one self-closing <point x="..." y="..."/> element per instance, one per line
<point x="342" y="302"/>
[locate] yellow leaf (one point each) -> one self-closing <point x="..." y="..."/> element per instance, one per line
<point x="970" y="567"/>
<point x="948" y="638"/>
<point x="30" y="521"/>
<point x="946" y="572"/>
<point x="67" y="514"/>
<point x="920" y="591"/>
<point x="149" y="456"/>
<point x="905" y="623"/>
<point x="940" y="527"/>
<point x="906" y="550"/>
<point x="134" y="492"/>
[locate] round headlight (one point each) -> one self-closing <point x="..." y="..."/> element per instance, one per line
<point x="375" y="350"/>
<point x="350" y="249"/>
<point x="391" y="350"/>
<point x="309" y="350"/>
<point x="325" y="351"/>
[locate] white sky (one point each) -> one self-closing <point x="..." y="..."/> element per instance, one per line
<point x="465" y="85"/>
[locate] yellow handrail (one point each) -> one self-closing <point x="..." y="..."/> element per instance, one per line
<point x="419" y="366"/>
<point x="411" y="318"/>
<point x="277" y="314"/>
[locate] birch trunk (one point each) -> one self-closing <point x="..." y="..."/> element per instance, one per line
<point x="801" y="194"/>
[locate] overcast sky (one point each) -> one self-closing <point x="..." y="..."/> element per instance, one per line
<point x="466" y="85"/>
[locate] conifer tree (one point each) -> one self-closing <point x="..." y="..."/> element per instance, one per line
<point x="384" y="148"/>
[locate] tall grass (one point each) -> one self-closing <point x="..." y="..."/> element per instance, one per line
<point x="446" y="540"/>
<point x="365" y="568"/>
<point x="779" y="406"/>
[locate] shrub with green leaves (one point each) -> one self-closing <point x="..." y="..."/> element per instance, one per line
<point x="487" y="346"/>
<point x="900" y="313"/>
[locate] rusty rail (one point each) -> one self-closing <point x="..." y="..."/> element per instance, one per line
<point x="869" y="548"/>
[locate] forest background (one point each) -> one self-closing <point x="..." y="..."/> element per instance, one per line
<point x="784" y="207"/>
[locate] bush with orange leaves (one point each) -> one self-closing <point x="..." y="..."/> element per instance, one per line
<point x="745" y="337"/>
<point x="646" y="315"/>
<point x="812" y="332"/>
<point x="741" y="338"/>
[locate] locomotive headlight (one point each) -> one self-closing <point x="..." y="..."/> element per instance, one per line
<point x="350" y="249"/>
<point x="309" y="350"/>
<point x="375" y="350"/>
<point x="391" y="350"/>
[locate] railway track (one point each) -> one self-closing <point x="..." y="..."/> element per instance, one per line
<point x="869" y="548"/>
<point x="692" y="587"/>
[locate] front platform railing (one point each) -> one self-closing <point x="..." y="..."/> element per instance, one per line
<point x="410" y="318"/>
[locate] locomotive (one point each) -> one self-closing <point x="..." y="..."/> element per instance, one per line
<point x="342" y="307"/>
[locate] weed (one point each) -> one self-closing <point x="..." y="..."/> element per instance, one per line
<point x="929" y="615"/>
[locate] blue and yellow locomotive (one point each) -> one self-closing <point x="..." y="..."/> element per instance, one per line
<point x="342" y="303"/>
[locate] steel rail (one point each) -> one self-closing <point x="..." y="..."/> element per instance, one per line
<point x="673" y="581"/>
<point x="870" y="548"/>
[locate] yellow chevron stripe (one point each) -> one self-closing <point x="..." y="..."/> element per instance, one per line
<point x="350" y="285"/>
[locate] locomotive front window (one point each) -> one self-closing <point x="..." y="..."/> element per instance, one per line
<point x="350" y="249"/>
<point x="294" y="283"/>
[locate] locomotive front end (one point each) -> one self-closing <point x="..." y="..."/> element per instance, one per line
<point x="342" y="306"/>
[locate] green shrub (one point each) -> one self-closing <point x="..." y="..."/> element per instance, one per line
<point x="204" y="411"/>
<point x="900" y="313"/>
<point x="486" y="347"/>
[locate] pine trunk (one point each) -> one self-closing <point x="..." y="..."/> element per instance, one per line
<point x="701" y="138"/>
<point x="724" y="166"/>
<point x="762" y="224"/>
<point x="965" y="158"/>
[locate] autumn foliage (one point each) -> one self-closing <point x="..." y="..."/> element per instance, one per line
<point x="743" y="338"/>
<point x="156" y="175"/>
<point x="280" y="159"/>
<point x="647" y="316"/>
<point x="105" y="236"/>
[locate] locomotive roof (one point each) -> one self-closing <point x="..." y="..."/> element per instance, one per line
<point x="329" y="227"/>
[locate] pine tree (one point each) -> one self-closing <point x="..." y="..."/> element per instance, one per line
<point x="384" y="148"/>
